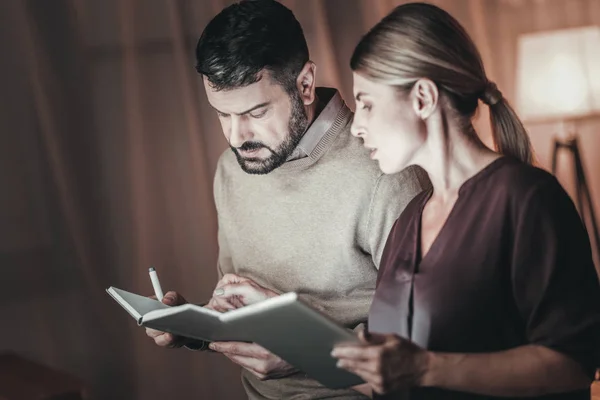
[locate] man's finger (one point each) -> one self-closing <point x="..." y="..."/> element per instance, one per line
<point x="256" y="366"/>
<point x="260" y="376"/>
<point x="172" y="298"/>
<point x="164" y="340"/>
<point x="230" y="278"/>
<point x="153" y="332"/>
<point x="241" y="349"/>
<point x="230" y="303"/>
<point x="221" y="305"/>
<point x="242" y="289"/>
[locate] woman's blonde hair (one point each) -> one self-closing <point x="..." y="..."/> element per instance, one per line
<point x="419" y="40"/>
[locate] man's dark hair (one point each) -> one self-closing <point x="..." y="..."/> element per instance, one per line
<point x="246" y="38"/>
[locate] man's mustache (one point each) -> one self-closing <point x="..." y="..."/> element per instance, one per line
<point x="249" y="146"/>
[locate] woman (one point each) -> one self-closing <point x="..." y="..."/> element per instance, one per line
<point x="486" y="286"/>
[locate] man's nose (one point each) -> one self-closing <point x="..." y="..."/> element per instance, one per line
<point x="239" y="132"/>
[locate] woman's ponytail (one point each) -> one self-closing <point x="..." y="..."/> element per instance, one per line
<point x="509" y="134"/>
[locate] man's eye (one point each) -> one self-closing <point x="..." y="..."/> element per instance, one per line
<point x="259" y="115"/>
<point x="366" y="107"/>
<point x="221" y="115"/>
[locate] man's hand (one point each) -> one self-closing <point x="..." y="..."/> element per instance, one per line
<point x="165" y="339"/>
<point x="234" y="291"/>
<point x="254" y="358"/>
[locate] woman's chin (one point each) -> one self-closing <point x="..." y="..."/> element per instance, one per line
<point x="389" y="168"/>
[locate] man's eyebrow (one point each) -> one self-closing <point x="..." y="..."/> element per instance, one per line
<point x="256" y="107"/>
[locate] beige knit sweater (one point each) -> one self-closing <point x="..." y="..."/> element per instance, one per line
<point x="316" y="226"/>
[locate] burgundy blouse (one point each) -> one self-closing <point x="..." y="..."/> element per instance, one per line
<point x="511" y="266"/>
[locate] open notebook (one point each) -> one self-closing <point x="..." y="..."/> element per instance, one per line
<point x="283" y="325"/>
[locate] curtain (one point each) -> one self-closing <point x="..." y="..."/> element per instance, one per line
<point x="107" y="152"/>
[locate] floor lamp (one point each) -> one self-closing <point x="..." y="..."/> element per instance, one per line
<point x="558" y="81"/>
<point x="583" y="198"/>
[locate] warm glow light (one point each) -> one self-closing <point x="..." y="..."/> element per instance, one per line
<point x="558" y="74"/>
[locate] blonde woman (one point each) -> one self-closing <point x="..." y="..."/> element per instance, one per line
<point x="486" y="286"/>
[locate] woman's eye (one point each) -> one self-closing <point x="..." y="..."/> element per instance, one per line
<point x="366" y="107"/>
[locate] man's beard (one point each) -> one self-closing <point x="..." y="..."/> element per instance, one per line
<point x="296" y="127"/>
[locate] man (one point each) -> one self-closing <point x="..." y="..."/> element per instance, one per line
<point x="300" y="205"/>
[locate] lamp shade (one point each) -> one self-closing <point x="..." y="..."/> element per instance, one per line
<point x="558" y="74"/>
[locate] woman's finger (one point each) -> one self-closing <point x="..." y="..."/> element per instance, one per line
<point x="373" y="338"/>
<point x="354" y="352"/>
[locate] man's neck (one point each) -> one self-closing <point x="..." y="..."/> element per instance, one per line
<point x="314" y="110"/>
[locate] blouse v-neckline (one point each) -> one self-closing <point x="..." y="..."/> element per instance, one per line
<point x="485" y="171"/>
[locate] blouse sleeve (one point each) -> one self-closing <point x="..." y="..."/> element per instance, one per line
<point x="554" y="281"/>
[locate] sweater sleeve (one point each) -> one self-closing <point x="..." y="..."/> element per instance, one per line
<point x="391" y="195"/>
<point x="555" y="285"/>
<point x="224" y="262"/>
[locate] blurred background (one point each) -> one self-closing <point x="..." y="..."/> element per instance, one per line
<point x="107" y="152"/>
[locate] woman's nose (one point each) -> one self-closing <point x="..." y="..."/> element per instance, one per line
<point x="356" y="129"/>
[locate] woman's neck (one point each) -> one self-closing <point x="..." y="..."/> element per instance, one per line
<point x="452" y="155"/>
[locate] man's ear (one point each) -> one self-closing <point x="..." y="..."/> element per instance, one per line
<point x="306" y="83"/>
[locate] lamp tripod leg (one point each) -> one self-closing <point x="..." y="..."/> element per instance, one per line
<point x="583" y="194"/>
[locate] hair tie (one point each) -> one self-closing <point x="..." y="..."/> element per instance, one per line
<point x="491" y="94"/>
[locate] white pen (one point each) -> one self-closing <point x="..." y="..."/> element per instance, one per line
<point x="156" y="284"/>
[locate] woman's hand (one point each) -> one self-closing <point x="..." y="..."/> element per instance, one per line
<point x="389" y="363"/>
<point x="386" y="362"/>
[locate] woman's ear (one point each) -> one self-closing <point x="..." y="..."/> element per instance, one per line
<point x="306" y="83"/>
<point x="425" y="96"/>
